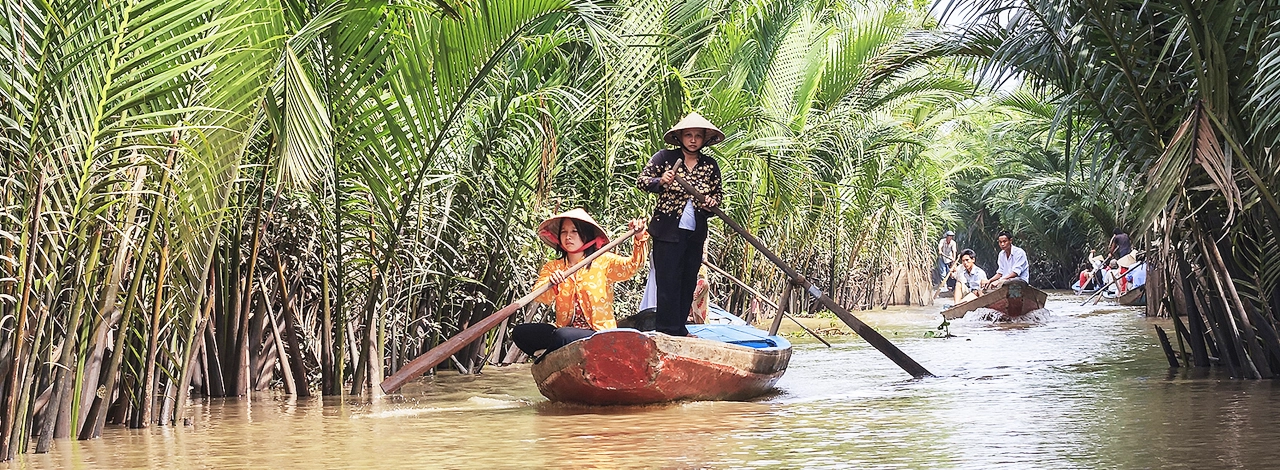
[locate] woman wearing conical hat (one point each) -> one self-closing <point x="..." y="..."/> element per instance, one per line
<point x="583" y="302"/>
<point x="679" y="224"/>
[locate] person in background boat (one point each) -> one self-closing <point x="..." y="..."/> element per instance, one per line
<point x="1110" y="278"/>
<point x="583" y="302"/>
<point x="1012" y="262"/>
<point x="1120" y="244"/>
<point x="970" y="279"/>
<point x="1095" y="263"/>
<point x="946" y="259"/>
<point x="679" y="224"/>
<point x="1083" y="282"/>
<point x="1136" y="276"/>
<point x="1119" y="250"/>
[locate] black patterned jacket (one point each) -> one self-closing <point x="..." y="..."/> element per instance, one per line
<point x="705" y="177"/>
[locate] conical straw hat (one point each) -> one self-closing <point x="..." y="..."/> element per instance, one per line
<point x="549" y="230"/>
<point x="694" y="121"/>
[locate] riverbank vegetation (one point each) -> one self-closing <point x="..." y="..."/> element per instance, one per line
<point x="1169" y="110"/>
<point x="221" y="197"/>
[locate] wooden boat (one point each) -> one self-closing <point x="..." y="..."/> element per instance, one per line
<point x="1135" y="296"/>
<point x="1014" y="298"/>
<point x="625" y="366"/>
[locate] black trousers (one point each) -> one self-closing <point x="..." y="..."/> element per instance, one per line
<point x="675" y="270"/>
<point x="534" y="337"/>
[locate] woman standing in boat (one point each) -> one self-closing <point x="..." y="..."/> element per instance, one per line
<point x="583" y="302"/>
<point x="679" y="224"/>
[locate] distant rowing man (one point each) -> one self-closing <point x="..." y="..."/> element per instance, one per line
<point x="946" y="258"/>
<point x="1012" y="261"/>
<point x="970" y="279"/>
<point x="1121" y="251"/>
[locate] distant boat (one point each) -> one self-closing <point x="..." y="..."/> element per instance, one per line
<point x="1014" y="298"/>
<point x="624" y="366"/>
<point x="1135" y="296"/>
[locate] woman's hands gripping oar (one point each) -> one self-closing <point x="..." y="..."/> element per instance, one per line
<point x="866" y="332"/>
<point x="440" y="353"/>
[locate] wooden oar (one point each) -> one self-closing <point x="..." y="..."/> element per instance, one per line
<point x="1104" y="288"/>
<point x="442" y="352"/>
<point x="762" y="297"/>
<point x="862" y="329"/>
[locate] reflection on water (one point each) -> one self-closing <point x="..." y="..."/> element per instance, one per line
<point x="1087" y="388"/>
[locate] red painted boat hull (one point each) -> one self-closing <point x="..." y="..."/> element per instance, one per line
<point x="1012" y="299"/>
<point x="627" y="367"/>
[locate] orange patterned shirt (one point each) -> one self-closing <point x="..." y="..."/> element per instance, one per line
<point x="591" y="288"/>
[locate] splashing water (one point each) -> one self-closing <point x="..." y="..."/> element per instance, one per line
<point x="984" y="314"/>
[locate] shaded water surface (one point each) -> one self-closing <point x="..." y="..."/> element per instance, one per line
<point x="1087" y="389"/>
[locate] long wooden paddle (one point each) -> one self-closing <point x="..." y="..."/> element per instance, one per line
<point x="756" y="293"/>
<point x="862" y="329"/>
<point x="442" y="352"/>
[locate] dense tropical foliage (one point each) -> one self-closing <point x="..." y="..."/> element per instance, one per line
<point x="217" y="197"/>
<point x="1172" y="107"/>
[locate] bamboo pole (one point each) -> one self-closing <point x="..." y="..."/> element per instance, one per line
<point x="862" y="329"/>
<point x="784" y="303"/>
<point x="451" y="346"/>
<point x="762" y="297"/>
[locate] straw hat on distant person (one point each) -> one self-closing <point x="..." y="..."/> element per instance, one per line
<point x="549" y="230"/>
<point x="694" y="121"/>
<point x="1128" y="261"/>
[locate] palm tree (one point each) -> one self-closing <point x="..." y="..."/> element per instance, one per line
<point x="1170" y="87"/>
<point x="214" y="196"/>
<point x="140" y="141"/>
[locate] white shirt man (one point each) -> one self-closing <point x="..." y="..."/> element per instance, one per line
<point x="1012" y="261"/>
<point x="969" y="278"/>
<point x="1110" y="276"/>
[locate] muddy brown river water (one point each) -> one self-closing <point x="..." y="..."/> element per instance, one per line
<point x="1088" y="388"/>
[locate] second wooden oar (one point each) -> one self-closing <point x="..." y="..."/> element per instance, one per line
<point x="867" y="333"/>
<point x="762" y="297"/>
<point x="443" y="351"/>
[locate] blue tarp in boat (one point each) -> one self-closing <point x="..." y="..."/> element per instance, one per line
<point x="742" y="335"/>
